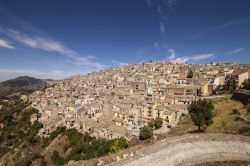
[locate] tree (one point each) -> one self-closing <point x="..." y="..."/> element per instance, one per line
<point x="155" y="124"/>
<point x="246" y="84"/>
<point x="158" y="123"/>
<point x="151" y="124"/>
<point x="57" y="159"/>
<point x="146" y="132"/>
<point x="7" y="119"/>
<point x="190" y="74"/>
<point x="118" y="144"/>
<point x="201" y="112"/>
<point x="219" y="89"/>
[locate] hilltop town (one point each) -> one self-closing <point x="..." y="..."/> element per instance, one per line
<point x="118" y="101"/>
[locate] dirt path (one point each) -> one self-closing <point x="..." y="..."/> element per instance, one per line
<point x="190" y="149"/>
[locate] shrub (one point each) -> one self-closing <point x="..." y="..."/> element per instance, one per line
<point x="244" y="130"/>
<point x="183" y="115"/>
<point x="53" y="135"/>
<point x="146" y="132"/>
<point x="151" y="124"/>
<point x="74" y="136"/>
<point x="46" y="141"/>
<point x="58" y="131"/>
<point x="36" y="156"/>
<point x="37" y="126"/>
<point x="27" y="163"/>
<point x="236" y="111"/>
<point x="158" y="123"/>
<point x="237" y="118"/>
<point x="56" y="159"/>
<point x="7" y="119"/>
<point x="3" y="150"/>
<point x="118" y="144"/>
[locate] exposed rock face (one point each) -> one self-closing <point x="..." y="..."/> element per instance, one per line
<point x="192" y="149"/>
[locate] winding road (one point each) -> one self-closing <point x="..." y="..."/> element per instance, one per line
<point x="191" y="149"/>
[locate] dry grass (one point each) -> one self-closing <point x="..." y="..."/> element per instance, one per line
<point x="224" y="120"/>
<point x="184" y="126"/>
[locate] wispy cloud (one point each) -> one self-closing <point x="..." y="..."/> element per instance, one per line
<point x="150" y="3"/>
<point x="202" y="57"/>
<point x="5" y="44"/>
<point x="29" y="35"/>
<point x="227" y="24"/>
<point x="171" y="53"/>
<point x="50" y="45"/>
<point x="163" y="8"/>
<point x="194" y="58"/>
<point x="235" y="51"/>
<point x="162" y="28"/>
<point x="180" y="60"/>
<point x="219" y="27"/>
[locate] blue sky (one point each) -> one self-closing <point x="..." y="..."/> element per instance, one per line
<point x="55" y="39"/>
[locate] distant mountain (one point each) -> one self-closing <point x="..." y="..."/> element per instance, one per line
<point x="20" y="85"/>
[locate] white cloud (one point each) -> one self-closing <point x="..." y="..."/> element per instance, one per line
<point x="162" y="28"/>
<point x="163" y="8"/>
<point x="150" y="3"/>
<point x="50" y="45"/>
<point x="5" y="44"/>
<point x="235" y="51"/>
<point x="202" y="57"/>
<point x="156" y="45"/>
<point x="181" y="60"/>
<point x="171" y="53"/>
<point x="227" y="24"/>
<point x="194" y="58"/>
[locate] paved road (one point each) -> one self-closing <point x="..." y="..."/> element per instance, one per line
<point x="190" y="149"/>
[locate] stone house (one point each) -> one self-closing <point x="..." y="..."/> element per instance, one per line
<point x="234" y="81"/>
<point x="181" y="81"/>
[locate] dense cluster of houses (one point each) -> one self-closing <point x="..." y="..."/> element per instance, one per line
<point x="118" y="101"/>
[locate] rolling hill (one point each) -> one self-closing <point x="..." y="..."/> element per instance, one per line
<point x="21" y="85"/>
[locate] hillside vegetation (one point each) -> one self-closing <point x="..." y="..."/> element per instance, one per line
<point x="20" y="144"/>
